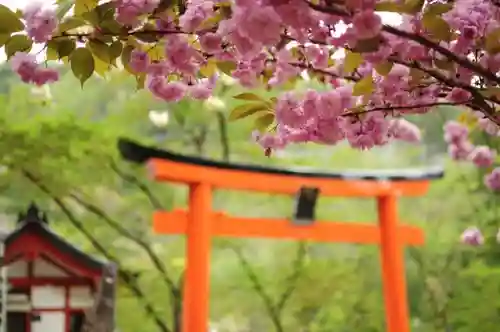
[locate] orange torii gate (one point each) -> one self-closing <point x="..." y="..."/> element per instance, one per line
<point x="200" y="223"/>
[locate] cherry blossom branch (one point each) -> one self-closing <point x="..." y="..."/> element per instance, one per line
<point x="406" y="107"/>
<point x="418" y="39"/>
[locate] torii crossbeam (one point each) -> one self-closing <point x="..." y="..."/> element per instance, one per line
<point x="199" y="223"/>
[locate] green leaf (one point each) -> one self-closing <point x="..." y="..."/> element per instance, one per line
<point x="363" y="87"/>
<point x="148" y="35"/>
<point x="438" y="27"/>
<point x="389" y="6"/>
<point x="352" y="61"/>
<point x="51" y="53"/>
<point x="226" y="67"/>
<point x="413" y="6"/>
<point x="208" y="69"/>
<point x="248" y="96"/>
<point x="63" y="8"/>
<point x="492" y="41"/>
<point x="115" y="49"/>
<point x="126" y="54"/>
<point x="71" y="23"/>
<point x="140" y="80"/>
<point x="384" y="68"/>
<point x="84" y="6"/>
<point x="101" y="68"/>
<point x="82" y="64"/>
<point x="491" y="92"/>
<point x="18" y="43"/>
<point x="60" y="48"/>
<point x="111" y="26"/>
<point x="368" y="45"/>
<point x="9" y="21"/>
<point x="263" y="122"/>
<point x="438" y="8"/>
<point x="4" y="37"/>
<point x="100" y="50"/>
<point x="245" y="110"/>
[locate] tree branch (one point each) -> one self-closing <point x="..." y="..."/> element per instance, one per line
<point x="294" y="276"/>
<point x="155" y="202"/>
<point x="259" y="289"/>
<point x="157" y="263"/>
<point x="129" y="280"/>
<point x="418" y="39"/>
<point x="224" y="140"/>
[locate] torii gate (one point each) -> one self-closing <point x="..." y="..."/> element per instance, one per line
<point x="200" y="223"/>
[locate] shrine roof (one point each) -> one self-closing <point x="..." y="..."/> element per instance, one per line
<point x="138" y="153"/>
<point x="34" y="222"/>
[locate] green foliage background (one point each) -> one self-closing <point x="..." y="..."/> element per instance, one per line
<point x="60" y="151"/>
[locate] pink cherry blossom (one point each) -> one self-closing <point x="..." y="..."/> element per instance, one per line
<point x="40" y="22"/>
<point x="29" y="71"/>
<point x="492" y="180"/>
<point x="472" y="236"/>
<point x="482" y="156"/>
<point x="139" y="61"/>
<point x="367" y="24"/>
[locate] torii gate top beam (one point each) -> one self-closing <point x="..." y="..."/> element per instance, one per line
<point x="168" y="166"/>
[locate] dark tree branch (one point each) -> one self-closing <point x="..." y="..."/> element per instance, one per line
<point x="275" y="309"/>
<point x="259" y="289"/>
<point x="155" y="202"/>
<point x="294" y="276"/>
<point x="224" y="140"/>
<point x="334" y="10"/>
<point x="157" y="263"/>
<point x="129" y="281"/>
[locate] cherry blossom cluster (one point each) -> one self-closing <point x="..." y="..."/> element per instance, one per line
<point x="461" y="148"/>
<point x="472" y="236"/>
<point x="405" y="71"/>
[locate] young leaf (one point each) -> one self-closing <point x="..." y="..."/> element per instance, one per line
<point x="352" y="61"/>
<point x="208" y="69"/>
<point x="248" y="96"/>
<point x="263" y="122"/>
<point x="101" y="68"/>
<point x="491" y="92"/>
<point x="363" y="87"/>
<point x="245" y="110"/>
<point x="388" y="6"/>
<point x="438" y="8"/>
<point x="4" y="37"/>
<point x="155" y="52"/>
<point x="18" y="43"/>
<point x="384" y="68"/>
<point x="368" y="45"/>
<point x="492" y="41"/>
<point x="412" y="6"/>
<point x="71" y="23"/>
<point x="9" y="21"/>
<point x="438" y="27"/>
<point x="63" y="8"/>
<point x="115" y="50"/>
<point x="140" y="79"/>
<point x="226" y="67"/>
<point x="126" y="53"/>
<point x="100" y="50"/>
<point x="84" y="6"/>
<point x="82" y="64"/>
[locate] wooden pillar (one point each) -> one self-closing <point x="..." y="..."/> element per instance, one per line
<point x="393" y="270"/>
<point x="195" y="310"/>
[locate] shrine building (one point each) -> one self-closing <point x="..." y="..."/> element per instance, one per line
<point x="49" y="283"/>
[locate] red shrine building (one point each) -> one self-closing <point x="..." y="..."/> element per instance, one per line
<point x="48" y="282"/>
